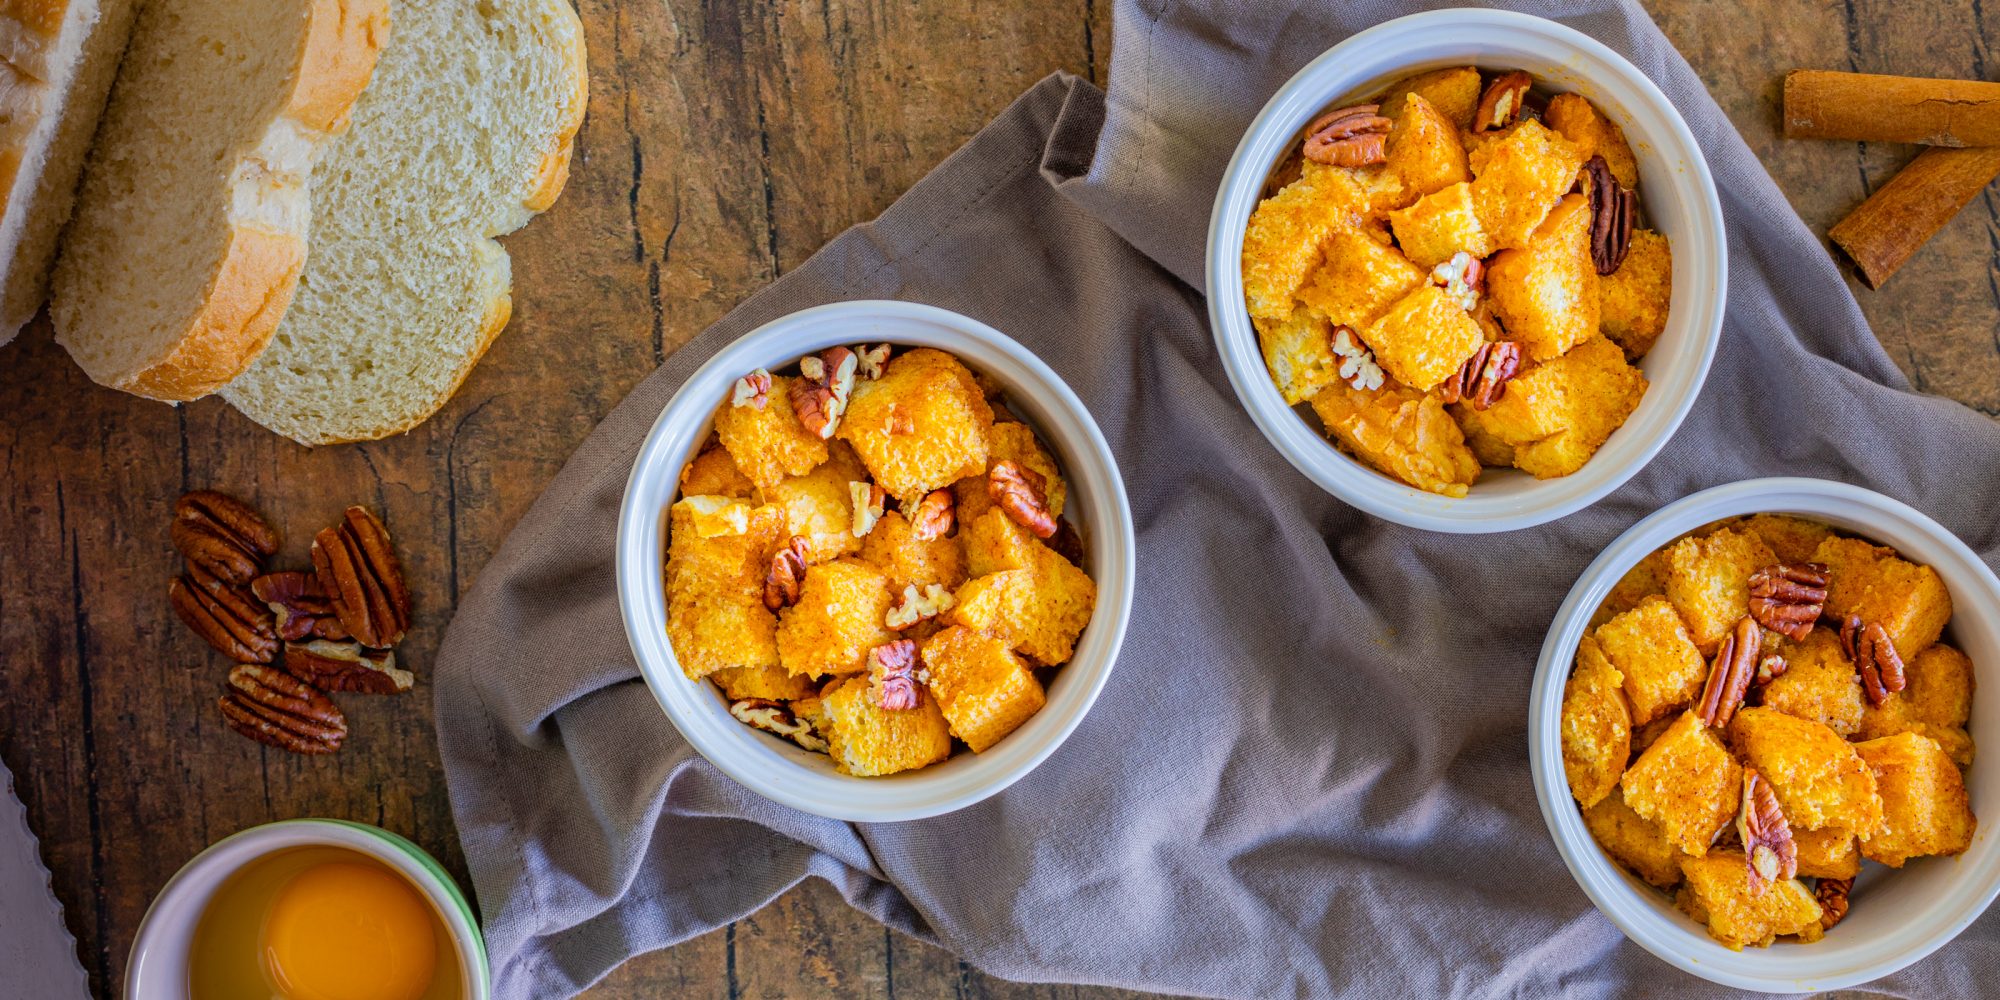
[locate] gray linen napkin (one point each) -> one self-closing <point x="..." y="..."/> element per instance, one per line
<point x="1308" y="773"/>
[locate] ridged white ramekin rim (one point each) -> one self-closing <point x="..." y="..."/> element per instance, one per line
<point x="1676" y="191"/>
<point x="1897" y="917"/>
<point x="774" y="768"/>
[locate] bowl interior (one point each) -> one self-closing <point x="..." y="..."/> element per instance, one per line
<point x="1897" y="916"/>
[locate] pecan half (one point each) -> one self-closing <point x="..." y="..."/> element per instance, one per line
<point x="1613" y="213"/>
<point x="787" y="575"/>
<point x="1348" y="137"/>
<point x="752" y="390"/>
<point x="224" y="615"/>
<point x="347" y="666"/>
<point x="1483" y="379"/>
<point x="1729" y="676"/>
<point x="824" y="385"/>
<point x="277" y="709"/>
<point x="1502" y="102"/>
<point x="222" y="535"/>
<point x="1832" y="896"/>
<point x="775" y="718"/>
<point x="357" y="566"/>
<point x="935" y="515"/>
<point x="1788" y="599"/>
<point x="299" y="604"/>
<point x="1767" y="838"/>
<point x="892" y="671"/>
<point x="919" y="606"/>
<point x="1874" y="656"/>
<point x="1023" y="494"/>
<point x="869" y="502"/>
<point x="872" y="361"/>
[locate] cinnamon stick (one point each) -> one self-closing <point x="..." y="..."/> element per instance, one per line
<point x="1882" y="232"/>
<point x="1820" y="104"/>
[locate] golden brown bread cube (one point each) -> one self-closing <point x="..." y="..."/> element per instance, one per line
<point x="1633" y="840"/>
<point x="767" y="442"/>
<point x="1872" y="581"/>
<point x="1819" y="779"/>
<point x="1687" y="783"/>
<point x="1487" y="447"/>
<point x="1546" y="290"/>
<point x="1453" y="92"/>
<point x="1423" y="150"/>
<point x="1819" y="684"/>
<point x="920" y="427"/>
<point x="1558" y="413"/>
<point x="1646" y="578"/>
<point x="1632" y="301"/>
<point x="1581" y="123"/>
<point x="1424" y="338"/>
<point x="1282" y="243"/>
<point x="1828" y="852"/>
<point x="1439" y="225"/>
<point x="1022" y="592"/>
<point x="819" y="506"/>
<point x="714" y="474"/>
<point x="865" y="739"/>
<point x="1016" y="442"/>
<point x="770" y="682"/>
<point x="1718" y="894"/>
<point x="1708" y="581"/>
<point x="838" y="619"/>
<point x="1924" y="808"/>
<point x="1519" y="179"/>
<point x="894" y="548"/>
<point x="1358" y="281"/>
<point x="1651" y="648"/>
<point x="984" y="690"/>
<point x="1298" y="350"/>
<point x="1401" y="432"/>
<point x="1935" y="701"/>
<point x="1596" y="726"/>
<point x="715" y="587"/>
<point x="1792" y="539"/>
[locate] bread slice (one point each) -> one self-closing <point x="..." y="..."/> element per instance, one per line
<point x="464" y="135"/>
<point x="57" y="60"/>
<point x="190" y="225"/>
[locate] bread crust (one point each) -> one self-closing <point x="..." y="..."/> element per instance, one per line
<point x="343" y="39"/>
<point x="552" y="175"/>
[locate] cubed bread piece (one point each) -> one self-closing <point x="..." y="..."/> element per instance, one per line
<point x="1298" y="350"/>
<point x="1819" y="684"/>
<point x="1381" y="191"/>
<point x="1581" y="123"/>
<point x="715" y="586"/>
<point x="1924" y="808"/>
<point x="1453" y="92"/>
<point x="1828" y="852"/>
<point x="920" y="427"/>
<point x="863" y="738"/>
<point x="1935" y="701"/>
<point x="1872" y="581"/>
<point x="1646" y="578"/>
<point x="714" y="474"/>
<point x="1632" y="301"/>
<point x="1792" y="539"/>
<point x="1401" y="432"/>
<point x="1359" y="280"/>
<point x="1545" y="292"/>
<point x="908" y="561"/>
<point x="1651" y="649"/>
<point x="838" y="619"/>
<point x="1014" y="441"/>
<point x="1596" y="725"/>
<point x="771" y="683"/>
<point x="1708" y="579"/>
<point x="1424" y="338"/>
<point x="1718" y="894"/>
<point x="995" y="544"/>
<point x="1023" y="593"/>
<point x="1486" y="446"/>
<point x="1558" y="413"/>
<point x="1520" y="178"/>
<point x="985" y="690"/>
<point x="1818" y="778"/>
<point x="1633" y="840"/>
<point x="1282" y="243"/>
<point x="1439" y="225"/>
<point x="1687" y="783"/>
<point x="767" y="442"/>
<point x="819" y="506"/>
<point x="1423" y="149"/>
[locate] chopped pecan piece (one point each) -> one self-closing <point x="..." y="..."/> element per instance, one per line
<point x="222" y="535"/>
<point x="873" y="361"/>
<point x="787" y="574"/>
<point x="892" y="671"/>
<point x="1348" y="137"/>
<point x="224" y="615"/>
<point x="752" y="390"/>
<point x="1788" y="599"/>
<point x="357" y="566"/>
<point x="1463" y="277"/>
<point x="300" y="605"/>
<point x="1023" y="494"/>
<point x="825" y="383"/>
<point x="1483" y="379"/>
<point x="1832" y="896"/>
<point x="1613" y="214"/>
<point x="277" y="709"/>
<point x="1068" y="543"/>
<point x="869" y="502"/>
<point x="774" y="718"/>
<point x="935" y="515"/>
<point x="1767" y="838"/>
<point x="1358" y="367"/>
<point x="919" y="606"/>
<point x="347" y="666"/>
<point x="1770" y="668"/>
<point x="1730" y="674"/>
<point x="1502" y="102"/>
<point x="1874" y="656"/>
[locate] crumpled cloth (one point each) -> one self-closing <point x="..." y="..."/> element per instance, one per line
<point x="1308" y="774"/>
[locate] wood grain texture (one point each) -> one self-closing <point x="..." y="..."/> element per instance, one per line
<point x="727" y="140"/>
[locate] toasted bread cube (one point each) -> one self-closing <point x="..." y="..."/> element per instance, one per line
<point x="770" y="682"/>
<point x="1581" y="123"/>
<point x="1596" y="726"/>
<point x="985" y="690"/>
<point x="1402" y="433"/>
<point x="1299" y="353"/>
<point x="1633" y="840"/>
<point x="819" y="505"/>
<point x="1646" y="578"/>
<point x="1651" y="649"/>
<point x="1423" y="149"/>
<point x="1282" y="243"/>
<point x="767" y="442"/>
<point x="1520" y="178"/>
<point x="1424" y="338"/>
<point x="1358" y="282"/>
<point x="1687" y="783"/>
<point x="1632" y="301"/>
<point x="995" y="544"/>
<point x="1908" y="600"/>
<point x="1023" y="592"/>
<point x="1558" y="413"/>
<point x="1718" y="894"/>
<point x="838" y="619"/>
<point x="908" y="561"/>
<point x="1819" y="684"/>
<point x="865" y="739"/>
<point x="1924" y="808"/>
<point x="920" y="427"/>
<point x="1828" y="852"/>
<point x="1013" y="441"/>
<point x="1486" y="446"/>
<point x="1935" y="701"/>
<point x="1453" y="92"/>
<point x="1546" y="291"/>
<point x="1708" y="579"/>
<point x="1792" y="539"/>
<point x="715" y="590"/>
<point x="714" y="474"/>
<point x="1819" y="780"/>
<point x="1440" y="224"/>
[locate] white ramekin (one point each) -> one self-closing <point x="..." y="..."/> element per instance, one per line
<point x="1898" y="917"/>
<point x="774" y="768"/>
<point x="1675" y="190"/>
<point x="158" y="967"/>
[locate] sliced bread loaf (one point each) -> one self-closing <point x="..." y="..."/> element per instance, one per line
<point x="191" y="223"/>
<point x="464" y="135"/>
<point x="57" y="59"/>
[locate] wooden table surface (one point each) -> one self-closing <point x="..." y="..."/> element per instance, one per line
<point x="727" y="140"/>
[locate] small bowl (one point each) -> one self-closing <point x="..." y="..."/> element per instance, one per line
<point x="779" y="770"/>
<point x="158" y="967"/>
<point x="1898" y="916"/>
<point x="1676" y="192"/>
